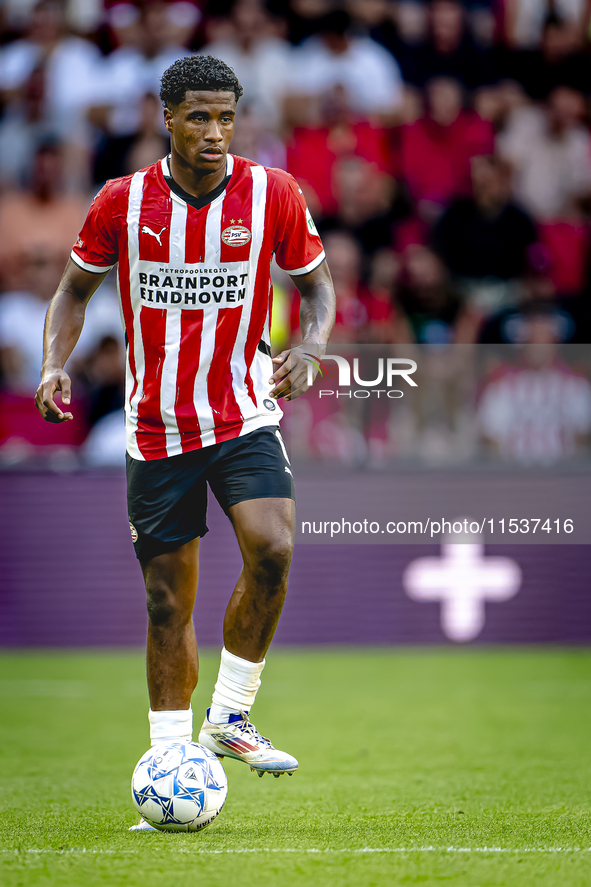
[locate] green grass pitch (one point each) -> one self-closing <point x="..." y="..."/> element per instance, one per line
<point x="467" y="767"/>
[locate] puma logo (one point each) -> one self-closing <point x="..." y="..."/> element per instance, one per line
<point x="146" y="230"/>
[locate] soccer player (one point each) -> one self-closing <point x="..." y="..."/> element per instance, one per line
<point x="193" y="236"/>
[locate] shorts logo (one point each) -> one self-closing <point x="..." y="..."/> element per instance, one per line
<point x="236" y="235"/>
<point x="133" y="532"/>
<point x="269" y="404"/>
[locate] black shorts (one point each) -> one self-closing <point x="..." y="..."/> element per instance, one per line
<point x="167" y="498"/>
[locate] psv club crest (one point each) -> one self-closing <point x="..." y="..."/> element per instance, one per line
<point x="236" y="235"/>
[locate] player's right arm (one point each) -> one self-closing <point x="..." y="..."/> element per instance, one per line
<point x="93" y="255"/>
<point x="63" y="325"/>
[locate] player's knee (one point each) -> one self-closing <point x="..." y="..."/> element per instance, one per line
<point x="164" y="607"/>
<point x="272" y="562"/>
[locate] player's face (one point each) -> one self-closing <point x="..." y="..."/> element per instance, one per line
<point x="201" y="128"/>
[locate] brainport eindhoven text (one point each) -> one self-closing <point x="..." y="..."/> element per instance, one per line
<point x="387" y="371"/>
<point x="192" y="290"/>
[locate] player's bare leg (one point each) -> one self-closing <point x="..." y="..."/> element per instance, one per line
<point x="172" y="660"/>
<point x="264" y="529"/>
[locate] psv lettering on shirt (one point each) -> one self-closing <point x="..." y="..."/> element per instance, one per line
<point x="196" y="294"/>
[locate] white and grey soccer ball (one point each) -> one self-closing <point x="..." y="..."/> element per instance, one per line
<point x="179" y="787"/>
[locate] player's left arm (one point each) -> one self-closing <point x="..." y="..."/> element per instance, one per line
<point x="317" y="317"/>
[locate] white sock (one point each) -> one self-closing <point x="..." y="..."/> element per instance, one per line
<point x="171" y="726"/>
<point x="236" y="687"/>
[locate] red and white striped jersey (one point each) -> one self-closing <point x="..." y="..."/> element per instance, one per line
<point x="196" y="295"/>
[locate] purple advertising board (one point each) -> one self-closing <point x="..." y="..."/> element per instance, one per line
<point x="68" y="577"/>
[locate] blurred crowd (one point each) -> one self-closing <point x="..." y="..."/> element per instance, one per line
<point x="444" y="149"/>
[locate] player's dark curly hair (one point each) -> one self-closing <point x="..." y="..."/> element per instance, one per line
<point x="197" y="72"/>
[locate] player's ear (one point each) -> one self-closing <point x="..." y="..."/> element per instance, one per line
<point x="168" y="119"/>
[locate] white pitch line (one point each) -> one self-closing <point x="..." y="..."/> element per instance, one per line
<point x="327" y="850"/>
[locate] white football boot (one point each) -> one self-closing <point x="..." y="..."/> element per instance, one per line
<point x="242" y="741"/>
<point x="142" y="826"/>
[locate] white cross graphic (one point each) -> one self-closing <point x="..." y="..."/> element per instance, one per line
<point x="462" y="579"/>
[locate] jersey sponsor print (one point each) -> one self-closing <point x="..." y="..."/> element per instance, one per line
<point x="196" y="296"/>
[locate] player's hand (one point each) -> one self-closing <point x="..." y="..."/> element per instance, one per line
<point x="291" y="377"/>
<point x="56" y="380"/>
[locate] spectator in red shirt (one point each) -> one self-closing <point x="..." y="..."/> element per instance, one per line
<point x="313" y="151"/>
<point x="567" y="243"/>
<point x="436" y="150"/>
<point x="378" y="298"/>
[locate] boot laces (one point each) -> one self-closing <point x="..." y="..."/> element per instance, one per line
<point x="247" y="728"/>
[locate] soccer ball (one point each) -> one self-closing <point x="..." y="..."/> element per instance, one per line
<point x="179" y="787"/>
